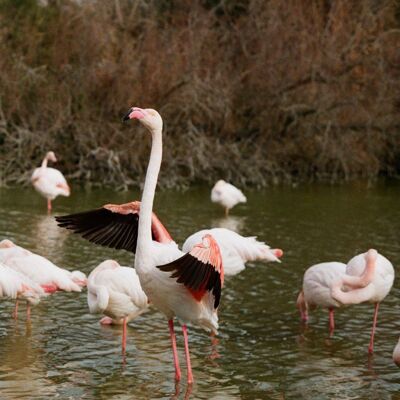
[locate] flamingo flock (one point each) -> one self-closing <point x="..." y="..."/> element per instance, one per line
<point x="184" y="285"/>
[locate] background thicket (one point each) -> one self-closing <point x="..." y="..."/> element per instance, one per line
<point x="252" y="91"/>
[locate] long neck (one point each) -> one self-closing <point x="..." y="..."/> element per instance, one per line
<point x="44" y="162"/>
<point x="146" y="206"/>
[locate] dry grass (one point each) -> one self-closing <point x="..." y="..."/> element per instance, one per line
<point x="251" y="91"/>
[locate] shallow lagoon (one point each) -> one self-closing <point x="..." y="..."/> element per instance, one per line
<point x="263" y="351"/>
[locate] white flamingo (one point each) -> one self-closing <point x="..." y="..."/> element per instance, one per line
<point x="236" y="250"/>
<point x="227" y="195"/>
<point x="369" y="278"/>
<point x="16" y="286"/>
<point x="116" y="292"/>
<point x="316" y="291"/>
<point x="9" y="250"/>
<point x="186" y="286"/>
<point x="49" y="182"/>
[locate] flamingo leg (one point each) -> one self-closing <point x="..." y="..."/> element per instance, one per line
<point x="28" y="310"/>
<point x="124" y="336"/>
<point x="174" y="350"/>
<point x="187" y="354"/>
<point x="331" y="321"/>
<point x="49" y="205"/>
<point x="15" y="312"/>
<point x="371" y="342"/>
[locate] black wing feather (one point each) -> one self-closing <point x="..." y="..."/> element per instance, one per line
<point x="104" y="227"/>
<point x="195" y="275"/>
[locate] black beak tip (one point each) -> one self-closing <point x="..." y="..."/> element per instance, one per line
<point x="126" y="117"/>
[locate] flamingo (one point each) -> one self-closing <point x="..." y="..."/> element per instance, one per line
<point x="49" y="182"/>
<point x="16" y="285"/>
<point x="8" y="250"/>
<point x="316" y="291"/>
<point x="116" y="292"/>
<point x="183" y="285"/>
<point x="369" y="277"/>
<point x="227" y="195"/>
<point x="236" y="250"/>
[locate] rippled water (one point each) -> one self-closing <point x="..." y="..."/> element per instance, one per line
<point x="263" y="351"/>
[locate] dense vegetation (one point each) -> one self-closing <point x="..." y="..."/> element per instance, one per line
<point x="252" y="91"/>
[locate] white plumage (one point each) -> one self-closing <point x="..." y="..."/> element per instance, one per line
<point x="317" y="282"/>
<point x="49" y="182"/>
<point x="15" y="285"/>
<point x="227" y="195"/>
<point x="236" y="250"/>
<point x="116" y="292"/>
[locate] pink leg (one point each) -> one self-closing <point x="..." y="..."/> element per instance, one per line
<point x="124" y="336"/>
<point x="331" y="321"/>
<point x="189" y="366"/>
<point x="174" y="350"/>
<point x="49" y="205"/>
<point x="371" y="342"/>
<point x="28" y="310"/>
<point x="15" y="313"/>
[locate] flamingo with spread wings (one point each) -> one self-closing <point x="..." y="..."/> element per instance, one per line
<point x="50" y="182"/>
<point x="183" y="285"/>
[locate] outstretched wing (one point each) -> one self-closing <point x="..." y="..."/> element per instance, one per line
<point x="112" y="225"/>
<point x="200" y="270"/>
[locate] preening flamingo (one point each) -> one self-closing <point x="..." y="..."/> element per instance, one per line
<point x="369" y="278"/>
<point x="40" y="270"/>
<point x="236" y="250"/>
<point x="15" y="286"/>
<point x="227" y="195"/>
<point x="49" y="182"/>
<point x="316" y="291"/>
<point x="186" y="286"/>
<point x="116" y="292"/>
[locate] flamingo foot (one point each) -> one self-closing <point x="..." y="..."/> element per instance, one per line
<point x="106" y="321"/>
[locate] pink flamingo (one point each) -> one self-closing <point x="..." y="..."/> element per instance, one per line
<point x="15" y="285"/>
<point x="49" y="182"/>
<point x="40" y="270"/>
<point x="227" y="195"/>
<point x="186" y="286"/>
<point x="369" y="278"/>
<point x="317" y="282"/>
<point x="116" y="292"/>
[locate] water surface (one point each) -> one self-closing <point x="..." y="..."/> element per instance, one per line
<point x="263" y="351"/>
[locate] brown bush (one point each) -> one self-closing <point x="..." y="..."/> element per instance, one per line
<point x="250" y="91"/>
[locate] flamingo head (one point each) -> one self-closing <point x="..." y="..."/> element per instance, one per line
<point x="51" y="156"/>
<point x="6" y="244"/>
<point x="148" y="117"/>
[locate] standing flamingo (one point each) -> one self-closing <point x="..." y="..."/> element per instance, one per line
<point x="186" y="286"/>
<point x="369" y="278"/>
<point x="15" y="285"/>
<point x="236" y="250"/>
<point x="317" y="282"/>
<point x="116" y="292"/>
<point x="227" y="195"/>
<point x="49" y="182"/>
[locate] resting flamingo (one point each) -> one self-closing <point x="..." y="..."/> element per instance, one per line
<point x="186" y="286"/>
<point x="49" y="182"/>
<point x="15" y="286"/>
<point x="316" y="291"/>
<point x="227" y="195"/>
<point x="369" y="278"/>
<point x="236" y="250"/>
<point x="116" y="292"/>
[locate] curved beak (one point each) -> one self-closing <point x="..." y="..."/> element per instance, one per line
<point x="134" y="113"/>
